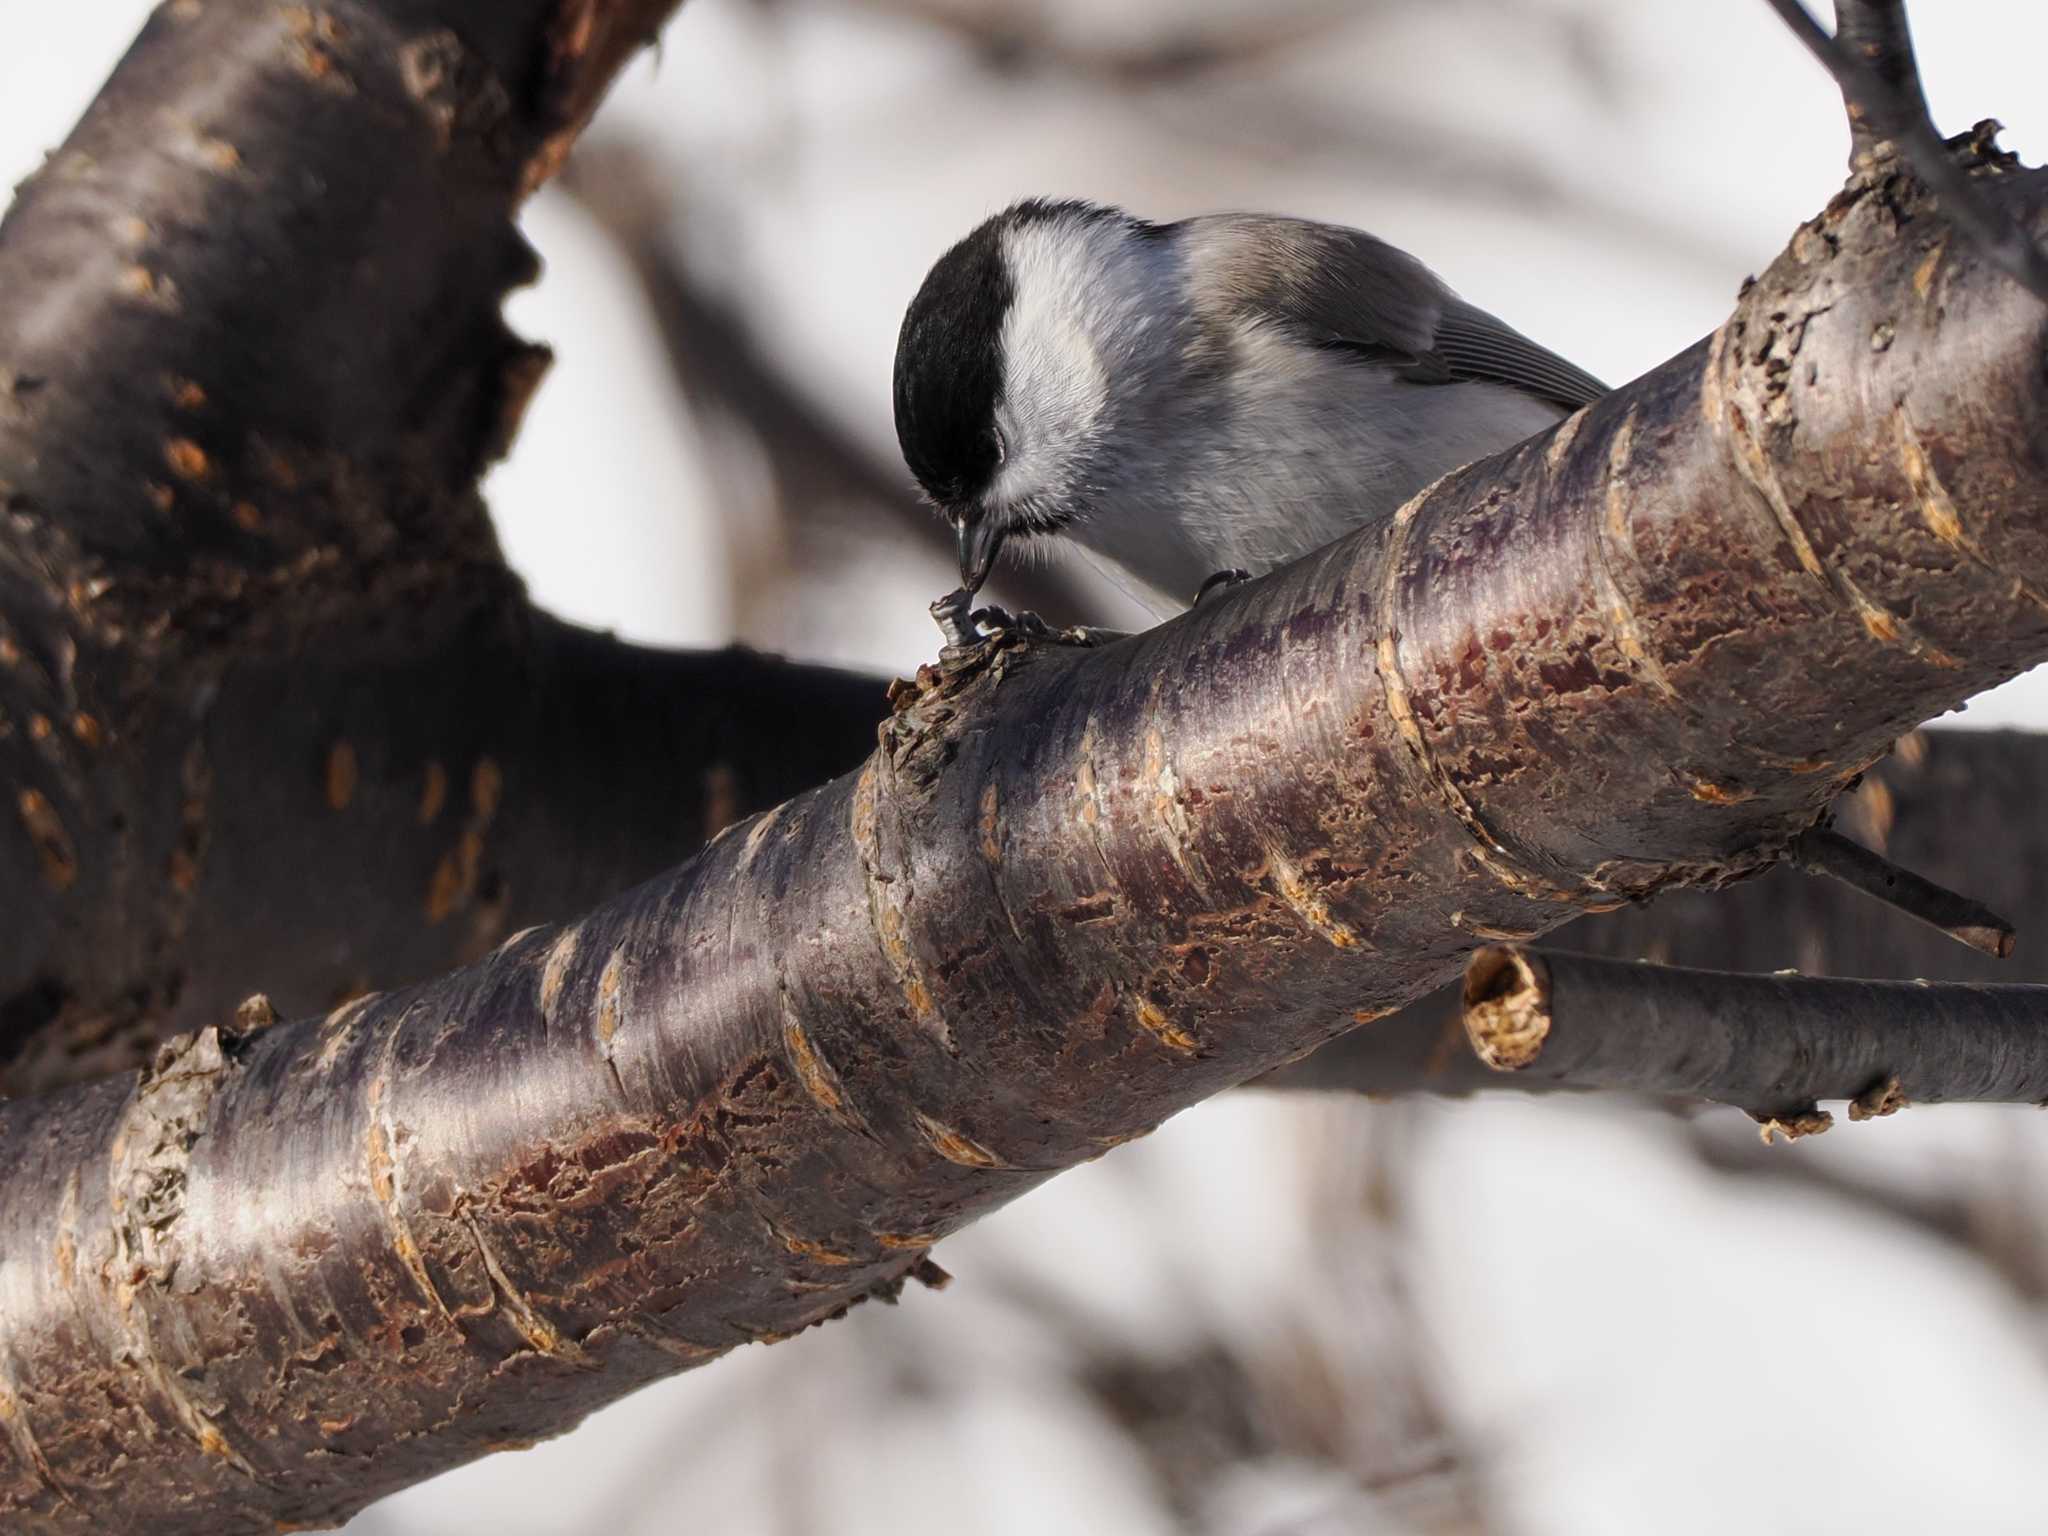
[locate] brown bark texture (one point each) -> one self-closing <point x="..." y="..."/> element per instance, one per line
<point x="1870" y="55"/>
<point x="287" y="1268"/>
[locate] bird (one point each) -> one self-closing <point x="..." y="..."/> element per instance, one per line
<point x="1197" y="401"/>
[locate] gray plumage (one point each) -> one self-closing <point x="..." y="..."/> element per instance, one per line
<point x="1231" y="391"/>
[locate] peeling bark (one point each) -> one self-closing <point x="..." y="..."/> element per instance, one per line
<point x="1073" y="892"/>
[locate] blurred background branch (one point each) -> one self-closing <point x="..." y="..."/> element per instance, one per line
<point x="1023" y="39"/>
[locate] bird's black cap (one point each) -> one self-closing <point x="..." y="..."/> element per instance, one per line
<point x="949" y="368"/>
<point x="949" y="356"/>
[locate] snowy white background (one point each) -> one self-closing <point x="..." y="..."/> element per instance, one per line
<point x="1623" y="1340"/>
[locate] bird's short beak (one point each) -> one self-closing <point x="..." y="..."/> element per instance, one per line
<point x="980" y="538"/>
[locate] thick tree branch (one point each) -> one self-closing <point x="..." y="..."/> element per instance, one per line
<point x="195" y="418"/>
<point x="169" y="840"/>
<point x="1073" y="892"/>
<point x="1773" y="1045"/>
<point x="1957" y="806"/>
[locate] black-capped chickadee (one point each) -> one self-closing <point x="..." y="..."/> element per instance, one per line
<point x="1219" y="395"/>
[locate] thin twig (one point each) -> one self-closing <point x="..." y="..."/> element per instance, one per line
<point x="1886" y="105"/>
<point x="1878" y="33"/>
<point x="1772" y="1045"/>
<point x="1824" y="852"/>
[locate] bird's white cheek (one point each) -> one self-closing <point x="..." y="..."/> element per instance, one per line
<point x="1050" y="421"/>
<point x="1056" y="386"/>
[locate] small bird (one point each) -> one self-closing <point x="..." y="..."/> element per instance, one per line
<point x="1200" y="400"/>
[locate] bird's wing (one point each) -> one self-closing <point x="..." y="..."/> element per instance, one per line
<point x="1337" y="287"/>
<point x="1474" y="345"/>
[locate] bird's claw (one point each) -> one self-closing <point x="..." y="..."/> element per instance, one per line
<point x="994" y="620"/>
<point x="1230" y="578"/>
<point x="965" y="626"/>
<point x="1027" y="625"/>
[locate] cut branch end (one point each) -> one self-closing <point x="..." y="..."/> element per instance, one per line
<point x="1507" y="1006"/>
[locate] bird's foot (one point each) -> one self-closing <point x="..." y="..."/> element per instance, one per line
<point x="1027" y="625"/>
<point x="1222" y="579"/>
<point x="966" y="627"/>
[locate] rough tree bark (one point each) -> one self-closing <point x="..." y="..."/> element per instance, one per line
<point x="1070" y="894"/>
<point x="291" y="1267"/>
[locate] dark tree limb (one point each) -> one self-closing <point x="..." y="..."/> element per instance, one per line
<point x="1877" y="35"/>
<point x="1074" y="891"/>
<point x="337" y="823"/>
<point x="1871" y="58"/>
<point x="173" y="841"/>
<point x="1772" y="1045"/>
<point x="1826" y="852"/>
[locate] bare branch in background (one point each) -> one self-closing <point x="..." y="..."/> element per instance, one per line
<point x="1828" y="853"/>
<point x="290" y="1267"/>
<point x="1772" y="1045"/>
<point x="1229" y="89"/>
<point x="1871" y="59"/>
<point x="1989" y="1212"/>
<point x="1011" y="40"/>
<point x="1334" y="1386"/>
